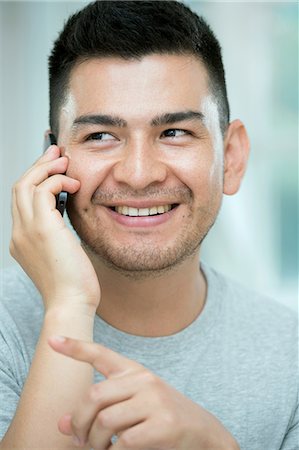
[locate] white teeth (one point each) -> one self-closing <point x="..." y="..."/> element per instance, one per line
<point x="153" y="210"/>
<point x="132" y="212"/>
<point x="128" y="211"/>
<point x="125" y="210"/>
<point x="143" y="212"/>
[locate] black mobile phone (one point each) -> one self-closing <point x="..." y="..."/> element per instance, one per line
<point x="61" y="199"/>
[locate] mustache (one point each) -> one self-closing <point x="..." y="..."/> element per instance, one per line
<point x="179" y="195"/>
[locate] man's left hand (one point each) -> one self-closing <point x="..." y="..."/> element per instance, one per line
<point x="137" y="406"/>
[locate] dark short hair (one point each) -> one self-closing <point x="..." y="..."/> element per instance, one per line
<point x="132" y="30"/>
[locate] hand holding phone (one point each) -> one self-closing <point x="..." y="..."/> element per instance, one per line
<point x="61" y="199"/>
<point x="43" y="244"/>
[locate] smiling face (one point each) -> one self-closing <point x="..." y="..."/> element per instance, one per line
<point x="143" y="138"/>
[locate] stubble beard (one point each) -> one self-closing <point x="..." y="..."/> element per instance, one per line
<point x="143" y="260"/>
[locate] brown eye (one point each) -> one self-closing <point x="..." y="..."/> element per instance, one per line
<point x="100" y="137"/>
<point x="175" y="132"/>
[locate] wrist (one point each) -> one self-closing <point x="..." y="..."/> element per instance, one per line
<point x="58" y="309"/>
<point x="76" y="322"/>
<point x="68" y="300"/>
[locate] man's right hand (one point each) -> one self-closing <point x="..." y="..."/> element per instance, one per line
<point x="42" y="243"/>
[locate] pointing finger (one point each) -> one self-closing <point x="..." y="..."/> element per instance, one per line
<point x="106" y="361"/>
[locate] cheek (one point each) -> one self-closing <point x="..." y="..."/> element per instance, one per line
<point x="201" y="171"/>
<point x="90" y="174"/>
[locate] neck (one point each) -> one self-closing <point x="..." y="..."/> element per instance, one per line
<point x="154" y="305"/>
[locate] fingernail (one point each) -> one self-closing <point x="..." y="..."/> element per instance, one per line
<point x="58" y="338"/>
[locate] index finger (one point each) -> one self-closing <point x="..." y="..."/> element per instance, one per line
<point x="106" y="361"/>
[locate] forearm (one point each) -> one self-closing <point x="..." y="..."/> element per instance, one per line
<point x="53" y="387"/>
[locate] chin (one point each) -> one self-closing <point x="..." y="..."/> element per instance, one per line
<point x="137" y="263"/>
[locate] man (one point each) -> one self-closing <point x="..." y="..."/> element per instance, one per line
<point x="161" y="351"/>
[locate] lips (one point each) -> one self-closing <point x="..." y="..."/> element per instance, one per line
<point x="143" y="216"/>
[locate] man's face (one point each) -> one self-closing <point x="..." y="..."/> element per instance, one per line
<point x="144" y="140"/>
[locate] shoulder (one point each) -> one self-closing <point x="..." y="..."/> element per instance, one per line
<point x="249" y="308"/>
<point x="257" y="338"/>
<point x="263" y="332"/>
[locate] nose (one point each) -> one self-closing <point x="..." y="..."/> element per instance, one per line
<point x="140" y="166"/>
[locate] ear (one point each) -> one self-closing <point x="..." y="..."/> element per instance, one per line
<point x="236" y="153"/>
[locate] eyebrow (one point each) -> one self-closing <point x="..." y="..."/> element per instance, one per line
<point x="99" y="119"/>
<point x="115" y="121"/>
<point x="169" y="118"/>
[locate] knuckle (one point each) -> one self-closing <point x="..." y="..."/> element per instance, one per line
<point x="20" y="185"/>
<point x="104" y="420"/>
<point x="17" y="187"/>
<point x="12" y="248"/>
<point x="148" y="378"/>
<point x="96" y="394"/>
<point x="40" y="189"/>
<point x="168" y="418"/>
<point x="16" y="242"/>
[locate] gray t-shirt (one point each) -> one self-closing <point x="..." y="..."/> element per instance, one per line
<point x="238" y="359"/>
